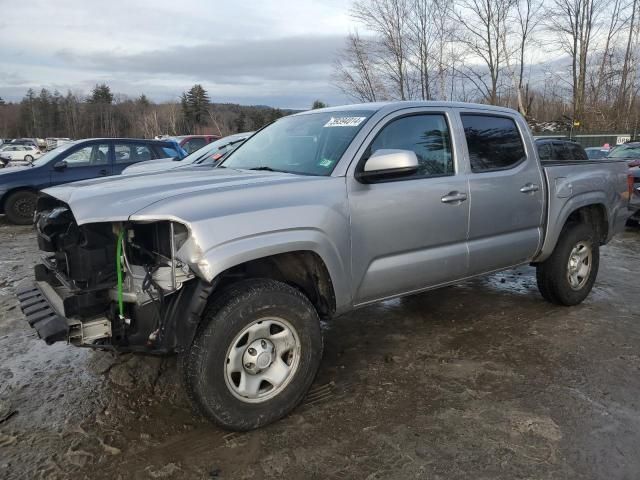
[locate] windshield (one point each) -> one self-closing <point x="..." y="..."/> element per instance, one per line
<point x="213" y="149"/>
<point x="625" y="152"/>
<point x="308" y="144"/>
<point x="44" y="159"/>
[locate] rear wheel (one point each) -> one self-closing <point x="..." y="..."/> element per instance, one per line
<point x="568" y="275"/>
<point x="19" y="207"/>
<point x="255" y="355"/>
<point x="28" y="158"/>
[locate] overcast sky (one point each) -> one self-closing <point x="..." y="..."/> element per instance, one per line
<point x="272" y="52"/>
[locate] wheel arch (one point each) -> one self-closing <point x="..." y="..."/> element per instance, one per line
<point x="588" y="209"/>
<point x="286" y="255"/>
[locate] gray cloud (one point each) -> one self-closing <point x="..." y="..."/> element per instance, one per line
<point x="296" y="57"/>
<point x="275" y="52"/>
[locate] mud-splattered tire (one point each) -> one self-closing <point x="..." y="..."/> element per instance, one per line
<point x="255" y="354"/>
<point x="559" y="277"/>
<point x="19" y="207"/>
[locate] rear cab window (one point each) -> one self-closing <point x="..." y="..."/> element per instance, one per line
<point x="494" y="142"/>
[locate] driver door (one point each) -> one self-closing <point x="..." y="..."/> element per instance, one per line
<point x="410" y="233"/>
<point x="89" y="161"/>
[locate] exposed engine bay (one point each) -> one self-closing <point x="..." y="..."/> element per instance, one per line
<point x="110" y="285"/>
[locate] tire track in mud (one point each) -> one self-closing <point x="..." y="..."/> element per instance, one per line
<point x="191" y="447"/>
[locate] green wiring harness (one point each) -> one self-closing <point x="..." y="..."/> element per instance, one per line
<point x="119" y="272"/>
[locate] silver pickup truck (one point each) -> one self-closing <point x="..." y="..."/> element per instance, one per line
<point x="319" y="213"/>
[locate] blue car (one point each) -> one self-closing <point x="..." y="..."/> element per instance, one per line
<point x="79" y="160"/>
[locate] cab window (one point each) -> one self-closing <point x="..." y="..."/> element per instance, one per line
<point x="494" y="142"/>
<point x="427" y="135"/>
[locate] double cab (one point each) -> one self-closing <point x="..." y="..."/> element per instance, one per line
<point x="317" y="214"/>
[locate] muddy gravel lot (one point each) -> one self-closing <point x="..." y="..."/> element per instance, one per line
<point x="480" y="380"/>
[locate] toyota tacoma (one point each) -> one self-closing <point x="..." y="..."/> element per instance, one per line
<point x="234" y="267"/>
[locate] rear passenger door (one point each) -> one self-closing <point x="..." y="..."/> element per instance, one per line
<point x="409" y="233"/>
<point x="128" y="153"/>
<point x="506" y="192"/>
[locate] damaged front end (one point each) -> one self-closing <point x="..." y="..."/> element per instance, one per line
<point x="112" y="285"/>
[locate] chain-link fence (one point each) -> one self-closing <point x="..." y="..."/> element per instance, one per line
<point x="592" y="139"/>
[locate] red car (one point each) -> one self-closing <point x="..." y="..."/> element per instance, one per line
<point x="191" y="143"/>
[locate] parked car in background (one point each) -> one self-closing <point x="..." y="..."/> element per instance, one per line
<point x="208" y="155"/>
<point x="550" y="149"/>
<point x="79" y="160"/>
<point x="596" y="153"/>
<point x="25" y="141"/>
<point x="14" y="155"/>
<point x="53" y="143"/>
<point x="191" y="143"/>
<point x="315" y="215"/>
<point x="627" y="151"/>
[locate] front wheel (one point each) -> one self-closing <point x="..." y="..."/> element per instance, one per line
<point x="28" y="158"/>
<point x="255" y="354"/>
<point x="568" y="275"/>
<point x="19" y="207"/>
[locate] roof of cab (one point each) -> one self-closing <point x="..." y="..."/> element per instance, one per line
<point x="398" y="105"/>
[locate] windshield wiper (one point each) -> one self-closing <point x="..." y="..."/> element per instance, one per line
<point x="265" y="169"/>
<point x="232" y="142"/>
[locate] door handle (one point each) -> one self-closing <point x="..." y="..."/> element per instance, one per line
<point x="102" y="172"/>
<point x="529" y="188"/>
<point x="454" y="197"/>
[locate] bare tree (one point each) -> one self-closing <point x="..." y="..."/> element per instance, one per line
<point x="528" y="15"/>
<point x="422" y="43"/>
<point x="444" y="48"/>
<point x="483" y="28"/>
<point x="573" y="22"/>
<point x="617" y="20"/>
<point x="389" y="20"/>
<point x="355" y="72"/>
<point x="624" y="99"/>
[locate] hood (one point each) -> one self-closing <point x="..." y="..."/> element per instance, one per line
<point x="153" y="166"/>
<point x="12" y="169"/>
<point x="119" y="197"/>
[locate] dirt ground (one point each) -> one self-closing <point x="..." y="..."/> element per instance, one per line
<point x="480" y="380"/>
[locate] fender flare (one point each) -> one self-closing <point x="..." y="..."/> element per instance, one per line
<point x="553" y="231"/>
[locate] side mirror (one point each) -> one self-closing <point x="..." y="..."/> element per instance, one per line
<point x="61" y="165"/>
<point x="385" y="164"/>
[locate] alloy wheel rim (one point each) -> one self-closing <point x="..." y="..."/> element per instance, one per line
<point x="579" y="265"/>
<point x="262" y="359"/>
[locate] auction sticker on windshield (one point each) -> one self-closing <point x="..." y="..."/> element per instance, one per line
<point x="345" y="121"/>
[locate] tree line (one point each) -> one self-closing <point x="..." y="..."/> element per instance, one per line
<point x="103" y="113"/>
<point x="575" y="61"/>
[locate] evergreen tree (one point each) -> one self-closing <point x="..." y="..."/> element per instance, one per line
<point x="195" y="105"/>
<point x="318" y="104"/>
<point x="101" y="94"/>
<point x="29" y="121"/>
<point x="240" y="123"/>
<point x="143" y="101"/>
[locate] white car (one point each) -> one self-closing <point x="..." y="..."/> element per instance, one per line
<point x="15" y="155"/>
